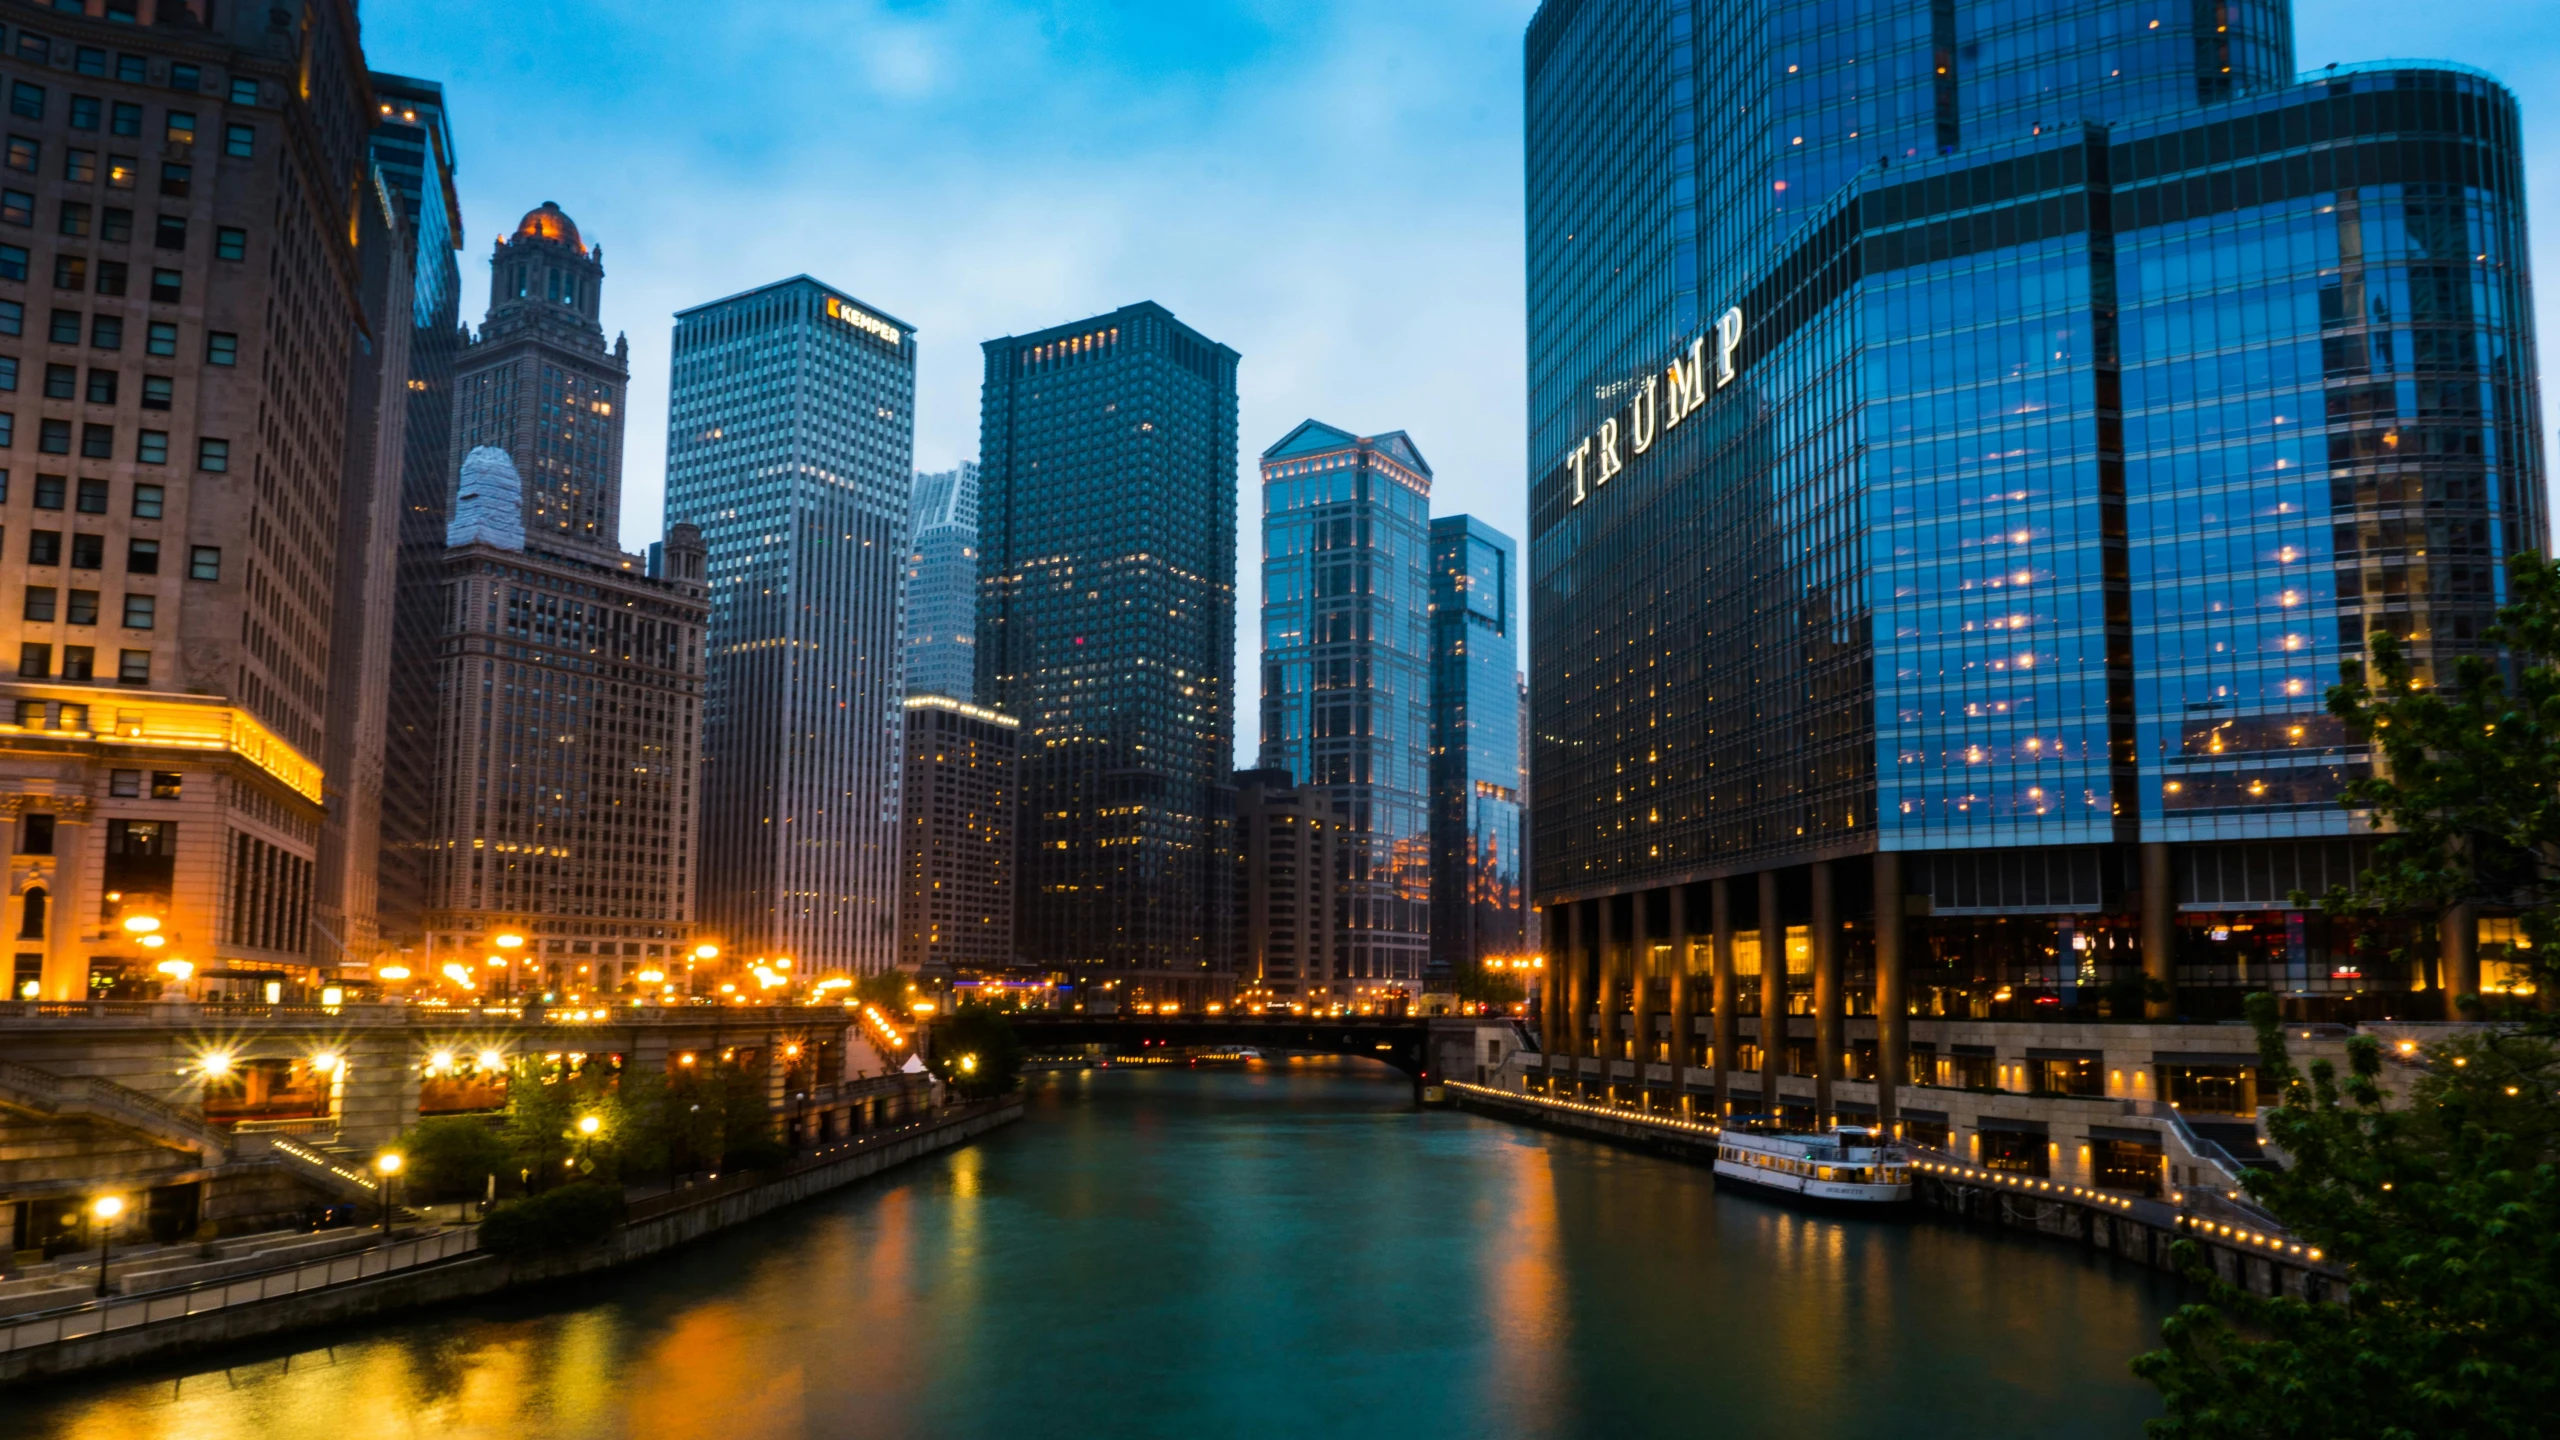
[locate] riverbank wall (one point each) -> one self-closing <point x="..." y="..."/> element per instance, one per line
<point x="2242" y="1251"/>
<point x="650" y="1227"/>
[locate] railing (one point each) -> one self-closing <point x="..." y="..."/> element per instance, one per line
<point x="100" y="1317"/>
<point x="346" y="1176"/>
<point x="307" y="1125"/>
<point x="51" y="1093"/>
<point x="673" y="1200"/>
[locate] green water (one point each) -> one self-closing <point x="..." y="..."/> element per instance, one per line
<point x="1290" y="1250"/>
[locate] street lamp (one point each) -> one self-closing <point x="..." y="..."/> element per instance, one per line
<point x="386" y="1165"/>
<point x="106" y="1208"/>
<point x="588" y="1125"/>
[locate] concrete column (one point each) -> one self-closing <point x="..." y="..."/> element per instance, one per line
<point x="1893" y="1003"/>
<point x="1550" y="997"/>
<point x="1773" y="992"/>
<point x="1640" y="971"/>
<point x="2159" y="927"/>
<point x="70" y="908"/>
<point x="1720" y="991"/>
<point x="1824" y="931"/>
<point x="1576" y="950"/>
<point x="2458" y="955"/>
<point x="1608" y="971"/>
<point x="1680" y="1002"/>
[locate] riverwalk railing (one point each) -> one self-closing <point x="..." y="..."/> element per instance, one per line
<point x="101" y="1317"/>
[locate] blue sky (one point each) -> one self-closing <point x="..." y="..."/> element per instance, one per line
<point x="1332" y="187"/>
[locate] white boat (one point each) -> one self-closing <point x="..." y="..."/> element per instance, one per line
<point x="1848" y="1164"/>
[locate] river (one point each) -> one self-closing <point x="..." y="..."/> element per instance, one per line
<point x="1290" y="1250"/>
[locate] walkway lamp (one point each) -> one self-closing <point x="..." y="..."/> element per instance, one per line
<point x="588" y="1125"/>
<point x="387" y="1166"/>
<point x="106" y="1208"/>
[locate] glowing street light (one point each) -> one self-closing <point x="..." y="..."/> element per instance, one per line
<point x="706" y="952"/>
<point x="141" y="924"/>
<point x="510" y="941"/>
<point x="386" y="1165"/>
<point x="106" y="1208"/>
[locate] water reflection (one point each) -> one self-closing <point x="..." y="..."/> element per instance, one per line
<point x="1283" y="1251"/>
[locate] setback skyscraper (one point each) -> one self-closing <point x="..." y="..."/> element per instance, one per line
<point x="1347" y="674"/>
<point x="790" y="441"/>
<point x="175" y="424"/>
<point x="1479" y="889"/>
<point x="942" y="585"/>
<point x="1954" y="498"/>
<point x="1106" y="624"/>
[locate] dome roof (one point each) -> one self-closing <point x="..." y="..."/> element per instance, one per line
<point x="549" y="222"/>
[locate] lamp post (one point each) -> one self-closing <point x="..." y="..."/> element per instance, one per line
<point x="387" y="1166"/>
<point x="106" y="1208"/>
<point x="588" y="1125"/>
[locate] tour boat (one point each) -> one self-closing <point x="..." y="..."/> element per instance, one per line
<point x="1225" y="1056"/>
<point x="1848" y="1165"/>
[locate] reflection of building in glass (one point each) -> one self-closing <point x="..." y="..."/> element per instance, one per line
<point x="1955" y="495"/>
<point x="1478" y="888"/>
<point x="790" y="437"/>
<point x="957" y="823"/>
<point x="1346" y="672"/>
<point x="942" y="585"/>
<point x="1106" y="623"/>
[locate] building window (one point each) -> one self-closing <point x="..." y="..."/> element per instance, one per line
<point x="30" y="714"/>
<point x="120" y="172"/>
<point x="85" y="111"/>
<point x="204" y="562"/>
<point x="13" y="318"/>
<point x="219" y="348"/>
<point x="93" y="497"/>
<point x="80" y="167"/>
<point x="139" y="611"/>
<point x="213" y="455"/>
<point x="17" y="207"/>
<point x="125" y="119"/>
<point x="24" y="155"/>
<point x="181" y="129"/>
<point x="146" y="502"/>
<point x="40" y="603"/>
<point x="53" y="437"/>
<point x="61" y="382"/>
<point x="35" y="832"/>
<point x="97" y="442"/>
<point x="115" y="225"/>
<point x="187" y="78"/>
<point x="88" y="552"/>
<point x="71" y="272"/>
<point x="79" y="662"/>
<point x="142" y="557"/>
<point x="240" y="141"/>
<point x="167" y="784"/>
<point x="74" y="221"/>
<point x="51" y="490"/>
<point x="165" y="283"/>
<point x="107" y="332"/>
<point x="91" y="61"/>
<point x="230" y="242"/>
<point x="66" y="327"/>
<point x="35" y="662"/>
<point x="133" y="667"/>
<point x="111" y="277"/>
<point x="102" y="386"/>
<point x="244" y="92"/>
<point x="174" y="183"/>
<point x="157" y="391"/>
<point x="26" y="99"/>
<point x="8" y="373"/>
<point x="154" y="449"/>
<point x="44" y="547"/>
<point x="84" y="607"/>
<point x="13" y="262"/>
<point x="124" y="784"/>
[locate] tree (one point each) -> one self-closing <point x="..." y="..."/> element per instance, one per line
<point x="451" y="1157"/>
<point x="977" y="1054"/>
<point x="2442" y="1201"/>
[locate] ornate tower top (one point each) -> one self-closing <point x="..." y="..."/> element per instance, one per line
<point x="547" y="275"/>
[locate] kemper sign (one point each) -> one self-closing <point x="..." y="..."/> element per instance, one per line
<point x="1654" y="412"/>
<point x="862" y="320"/>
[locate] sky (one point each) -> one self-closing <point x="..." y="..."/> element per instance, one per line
<point x="1331" y="187"/>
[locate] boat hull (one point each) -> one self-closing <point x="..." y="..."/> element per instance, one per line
<point x="1884" y="1199"/>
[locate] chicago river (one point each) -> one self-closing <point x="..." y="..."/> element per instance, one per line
<point x="1290" y="1249"/>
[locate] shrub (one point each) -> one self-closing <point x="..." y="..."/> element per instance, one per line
<point x="568" y="1217"/>
<point x="754" y="1152"/>
<point x="451" y="1157"/>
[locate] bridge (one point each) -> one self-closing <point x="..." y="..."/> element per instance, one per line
<point x="1401" y="1041"/>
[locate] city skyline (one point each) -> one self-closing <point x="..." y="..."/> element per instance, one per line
<point x="1211" y="83"/>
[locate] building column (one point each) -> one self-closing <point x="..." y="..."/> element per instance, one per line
<point x="2458" y="955"/>
<point x="1773" y="992"/>
<point x="68" y="908"/>
<point x="1824" y="931"/>
<point x="1607" y="906"/>
<point x="1550" y="1000"/>
<point x="1576" y="951"/>
<point x="2159" y="929"/>
<point x="1893" y="1005"/>
<point x="1640" y="969"/>
<point x="1720" y="1041"/>
<point x="1680" y="1003"/>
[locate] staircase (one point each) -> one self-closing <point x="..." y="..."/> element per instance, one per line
<point x="87" y="1097"/>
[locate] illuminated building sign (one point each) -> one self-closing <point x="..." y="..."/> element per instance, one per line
<point x="1661" y="402"/>
<point x="863" y="320"/>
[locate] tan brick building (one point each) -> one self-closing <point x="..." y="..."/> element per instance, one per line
<point x="179" y="293"/>
<point x="958" y="822"/>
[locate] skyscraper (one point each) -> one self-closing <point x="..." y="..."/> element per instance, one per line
<point x="1347" y="673"/>
<point x="568" y="674"/>
<point x="174" y="447"/>
<point x="1966" y="451"/>
<point x="958" y="824"/>
<point x="790" y="441"/>
<point x="413" y="153"/>
<point x="942" y="585"/>
<point x="1293" y="947"/>
<point x="1106" y="624"/>
<point x="1479" y="889"/>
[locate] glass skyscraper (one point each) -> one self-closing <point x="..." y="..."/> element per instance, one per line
<point x="1106" y="625"/>
<point x="790" y="442"/>
<point x="1968" y="438"/>
<point x="942" y="585"/>
<point x="1347" y="673"/>
<point x="1479" y="891"/>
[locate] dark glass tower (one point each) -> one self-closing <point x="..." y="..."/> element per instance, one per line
<point x="1968" y="441"/>
<point x="1478" y="889"/>
<point x="1346" y="677"/>
<point x="1106" y="624"/>
<point x="413" y="151"/>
